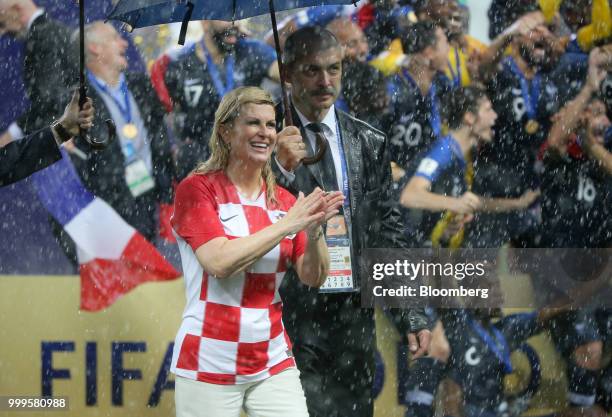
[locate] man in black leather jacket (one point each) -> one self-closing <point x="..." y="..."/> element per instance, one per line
<point x="334" y="338"/>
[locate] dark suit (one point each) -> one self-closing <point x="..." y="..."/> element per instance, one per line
<point x="25" y="156"/>
<point x="50" y="67"/>
<point x="334" y="338"/>
<point x="104" y="171"/>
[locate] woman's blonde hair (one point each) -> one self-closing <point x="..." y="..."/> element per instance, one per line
<point x="228" y="111"/>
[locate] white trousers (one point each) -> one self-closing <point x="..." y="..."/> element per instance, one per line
<point x="280" y="395"/>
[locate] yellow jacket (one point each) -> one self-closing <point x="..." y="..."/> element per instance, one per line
<point x="389" y="62"/>
<point x="601" y="21"/>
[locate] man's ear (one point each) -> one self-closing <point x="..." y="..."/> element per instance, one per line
<point x="92" y="50"/>
<point x="343" y="51"/>
<point x="286" y="73"/>
<point x="17" y="8"/>
<point x="469" y="118"/>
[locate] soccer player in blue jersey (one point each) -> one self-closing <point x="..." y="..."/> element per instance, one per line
<point x="192" y="81"/>
<point x="440" y="187"/>
<point x="416" y="94"/>
<point x="526" y="94"/>
<point x="480" y="348"/>
<point x="438" y="194"/>
<point x="576" y="213"/>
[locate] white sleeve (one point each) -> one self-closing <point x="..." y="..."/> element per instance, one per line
<point x="287" y="174"/>
<point x="15" y="131"/>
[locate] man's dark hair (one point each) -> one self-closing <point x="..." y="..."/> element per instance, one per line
<point x="461" y="101"/>
<point x="419" y="36"/>
<point x="503" y="13"/>
<point x="419" y="5"/>
<point x="307" y="40"/>
<point x="361" y="83"/>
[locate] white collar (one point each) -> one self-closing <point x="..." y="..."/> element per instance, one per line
<point x="35" y="15"/>
<point x="113" y="90"/>
<point x="329" y="121"/>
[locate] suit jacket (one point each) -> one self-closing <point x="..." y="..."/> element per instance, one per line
<point x="373" y="223"/>
<point x="103" y="172"/>
<point x="50" y="68"/>
<point x="25" y="156"/>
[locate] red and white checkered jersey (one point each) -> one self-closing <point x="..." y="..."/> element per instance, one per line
<point x="232" y="330"/>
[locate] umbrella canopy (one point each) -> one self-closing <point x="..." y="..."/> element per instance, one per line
<point x="142" y="13"/>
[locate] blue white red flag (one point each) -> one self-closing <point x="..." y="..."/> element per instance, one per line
<point x="113" y="256"/>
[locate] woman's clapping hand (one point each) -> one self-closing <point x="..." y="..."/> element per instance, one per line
<point x="309" y="212"/>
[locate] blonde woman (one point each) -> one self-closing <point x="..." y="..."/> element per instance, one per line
<point x="238" y="232"/>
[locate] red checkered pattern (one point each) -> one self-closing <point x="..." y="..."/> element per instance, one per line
<point x="232" y="330"/>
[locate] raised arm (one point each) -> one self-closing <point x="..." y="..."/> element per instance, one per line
<point x="598" y="152"/>
<point x="417" y="195"/>
<point x="36" y="151"/>
<point x="492" y="56"/>
<point x="500" y="205"/>
<point x="223" y="257"/>
<point x="569" y="117"/>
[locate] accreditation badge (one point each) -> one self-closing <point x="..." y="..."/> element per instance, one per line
<point x="340" y="278"/>
<point x="138" y="178"/>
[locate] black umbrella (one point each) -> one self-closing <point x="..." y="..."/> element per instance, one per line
<point x="142" y="13"/>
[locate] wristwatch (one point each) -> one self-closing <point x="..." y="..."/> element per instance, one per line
<point x="61" y="131"/>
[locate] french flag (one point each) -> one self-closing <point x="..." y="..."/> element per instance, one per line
<point x="113" y="256"/>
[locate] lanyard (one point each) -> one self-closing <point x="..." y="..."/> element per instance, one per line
<point x="456" y="75"/>
<point x="502" y="354"/>
<point x="126" y="107"/>
<point x="531" y="93"/>
<point x="434" y="116"/>
<point x="344" y="168"/>
<point x="456" y="149"/>
<point x="213" y="71"/>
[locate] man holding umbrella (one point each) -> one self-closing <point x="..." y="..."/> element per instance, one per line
<point x="334" y="338"/>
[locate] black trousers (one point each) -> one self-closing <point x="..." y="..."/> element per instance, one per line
<point x="334" y="346"/>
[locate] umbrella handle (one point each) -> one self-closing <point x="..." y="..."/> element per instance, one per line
<point x="321" y="148"/>
<point x="321" y="141"/>
<point x="95" y="143"/>
<point x="322" y="144"/>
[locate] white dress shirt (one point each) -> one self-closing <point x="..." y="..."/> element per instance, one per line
<point x="38" y="12"/>
<point x="331" y="131"/>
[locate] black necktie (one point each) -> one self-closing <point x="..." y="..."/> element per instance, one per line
<point x="328" y="169"/>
